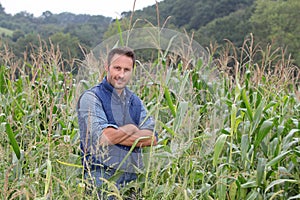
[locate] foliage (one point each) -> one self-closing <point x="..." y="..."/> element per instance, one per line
<point x="190" y="14"/>
<point x="234" y="27"/>
<point x="276" y="22"/>
<point x="272" y="22"/>
<point x="38" y="120"/>
<point x="23" y="30"/>
<point x="228" y="129"/>
<point x="224" y="133"/>
<point x="4" y="31"/>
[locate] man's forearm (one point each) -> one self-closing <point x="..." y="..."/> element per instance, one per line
<point x="143" y="138"/>
<point x="112" y="136"/>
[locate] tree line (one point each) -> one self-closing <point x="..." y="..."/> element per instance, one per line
<point x="210" y="22"/>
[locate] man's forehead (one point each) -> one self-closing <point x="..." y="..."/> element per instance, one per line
<point x="117" y="57"/>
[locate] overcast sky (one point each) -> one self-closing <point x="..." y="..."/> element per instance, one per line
<point x="108" y="8"/>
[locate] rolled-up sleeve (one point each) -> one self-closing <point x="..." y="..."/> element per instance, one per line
<point x="147" y="121"/>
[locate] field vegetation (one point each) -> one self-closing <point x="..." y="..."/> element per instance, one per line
<point x="228" y="128"/>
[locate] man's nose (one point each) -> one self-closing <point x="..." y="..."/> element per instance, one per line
<point x="122" y="73"/>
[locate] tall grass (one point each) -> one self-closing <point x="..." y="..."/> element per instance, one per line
<point x="232" y="135"/>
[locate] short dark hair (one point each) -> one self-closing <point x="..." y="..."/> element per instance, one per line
<point x="121" y="51"/>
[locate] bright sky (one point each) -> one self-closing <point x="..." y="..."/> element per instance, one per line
<point x="108" y="8"/>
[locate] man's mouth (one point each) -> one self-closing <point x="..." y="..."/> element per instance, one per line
<point x="119" y="81"/>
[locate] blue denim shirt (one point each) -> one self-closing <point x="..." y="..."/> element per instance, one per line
<point x="92" y="122"/>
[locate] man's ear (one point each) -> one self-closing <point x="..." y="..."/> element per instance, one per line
<point x="106" y="67"/>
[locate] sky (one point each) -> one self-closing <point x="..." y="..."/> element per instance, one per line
<point x="108" y="8"/>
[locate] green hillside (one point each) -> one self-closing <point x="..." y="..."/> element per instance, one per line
<point x="6" y="32"/>
<point x="208" y="21"/>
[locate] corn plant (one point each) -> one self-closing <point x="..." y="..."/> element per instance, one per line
<point x="225" y="132"/>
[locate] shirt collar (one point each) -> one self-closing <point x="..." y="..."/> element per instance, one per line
<point x="110" y="88"/>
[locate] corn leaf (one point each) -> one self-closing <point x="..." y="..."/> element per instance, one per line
<point x="277" y="159"/>
<point x="12" y="140"/>
<point x="263" y="131"/>
<point x="257" y="116"/>
<point x="218" y="148"/>
<point x="280" y="181"/>
<point x="181" y="112"/>
<point x="48" y="177"/>
<point x="261" y="166"/>
<point x="247" y="104"/>
<point x="169" y="101"/>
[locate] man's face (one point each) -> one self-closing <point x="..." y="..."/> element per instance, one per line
<point x="119" y="72"/>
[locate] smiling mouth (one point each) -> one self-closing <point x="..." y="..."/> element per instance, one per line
<point x="120" y="81"/>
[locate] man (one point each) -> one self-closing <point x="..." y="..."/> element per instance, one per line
<point x="114" y="125"/>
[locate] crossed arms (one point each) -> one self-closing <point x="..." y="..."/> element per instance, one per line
<point x="91" y="109"/>
<point x="127" y="135"/>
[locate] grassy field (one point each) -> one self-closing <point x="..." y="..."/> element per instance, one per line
<point x="6" y="31"/>
<point x="232" y="135"/>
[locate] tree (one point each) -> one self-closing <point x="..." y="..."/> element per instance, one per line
<point x="234" y="27"/>
<point x="17" y="34"/>
<point x="67" y="44"/>
<point x="27" y="44"/>
<point x="1" y="9"/>
<point x="277" y="22"/>
<point x="47" y="14"/>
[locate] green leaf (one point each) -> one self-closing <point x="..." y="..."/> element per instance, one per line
<point x="280" y="181"/>
<point x="69" y="164"/>
<point x="48" y="177"/>
<point x="247" y="104"/>
<point x="263" y="131"/>
<point x="169" y="130"/>
<point x="257" y="116"/>
<point x="3" y="87"/>
<point x="249" y="184"/>
<point x="120" y="31"/>
<point x="169" y="101"/>
<point x="233" y="190"/>
<point x="272" y="103"/>
<point x="218" y="148"/>
<point x="261" y="166"/>
<point x="294" y="197"/>
<point x="221" y="185"/>
<point x="233" y="118"/>
<point x="286" y="142"/>
<point x="277" y="159"/>
<point x="244" y="146"/>
<point x="12" y="140"/>
<point x="253" y="195"/>
<point x="181" y="113"/>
